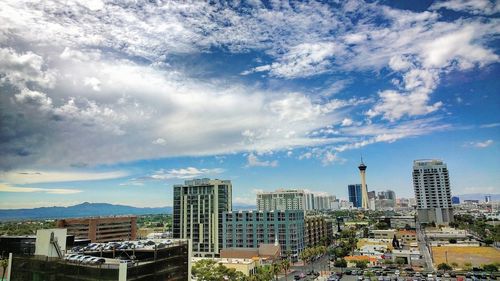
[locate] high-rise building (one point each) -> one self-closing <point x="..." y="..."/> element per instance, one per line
<point x="432" y="191"/>
<point x="364" y="188"/>
<point x="487" y="199"/>
<point x="354" y="191"/>
<point x="309" y="201"/>
<point x="281" y="199"/>
<point x="249" y="229"/>
<point x="197" y="214"/>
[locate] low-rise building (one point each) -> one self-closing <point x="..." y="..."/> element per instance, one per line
<point x="406" y="237"/>
<point x="351" y="260"/>
<point x="101" y="229"/>
<point x="245" y="266"/>
<point x="383" y="233"/>
<point x="265" y="254"/>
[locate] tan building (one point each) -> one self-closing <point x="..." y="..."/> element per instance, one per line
<point x="101" y="229"/>
<point x="406" y="237"/>
<point x="383" y="233"/>
<point x="265" y="254"/>
<point x="245" y="266"/>
<point x="315" y="231"/>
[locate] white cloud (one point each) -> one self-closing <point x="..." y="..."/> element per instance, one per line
<point x="479" y="144"/>
<point x="346" y="122"/>
<point x="61" y="50"/>
<point x="93" y="83"/>
<point x="303" y="60"/>
<point x="491" y="125"/>
<point x="160" y="141"/>
<point x="254" y="161"/>
<point x="22" y="68"/>
<point x="481" y="7"/>
<point x="182" y="173"/>
<point x="42" y="176"/>
<point x="9" y="188"/>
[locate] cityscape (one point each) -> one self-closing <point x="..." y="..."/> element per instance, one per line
<point x="259" y="140"/>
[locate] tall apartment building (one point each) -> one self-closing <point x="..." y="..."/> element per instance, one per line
<point x="315" y="231"/>
<point x="249" y="229"/>
<point x="197" y="215"/>
<point x="432" y="191"/>
<point x="355" y="193"/>
<point x="101" y="229"/>
<point x="309" y="204"/>
<point x="324" y="202"/>
<point x="281" y="199"/>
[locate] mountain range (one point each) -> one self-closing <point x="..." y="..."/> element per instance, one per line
<point x="87" y="209"/>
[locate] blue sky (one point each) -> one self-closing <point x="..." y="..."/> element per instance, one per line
<point x="116" y="101"/>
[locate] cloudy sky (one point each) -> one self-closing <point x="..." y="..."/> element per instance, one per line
<point x="116" y="101"/>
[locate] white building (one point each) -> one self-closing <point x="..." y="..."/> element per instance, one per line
<point x="281" y="199"/>
<point x="197" y="213"/>
<point x="432" y="191"/>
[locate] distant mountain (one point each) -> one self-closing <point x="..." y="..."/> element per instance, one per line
<point x="478" y="196"/>
<point x="81" y="210"/>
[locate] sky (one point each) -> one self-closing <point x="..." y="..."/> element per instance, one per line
<point x="116" y="101"/>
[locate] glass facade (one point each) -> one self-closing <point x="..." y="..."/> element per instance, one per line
<point x="355" y="198"/>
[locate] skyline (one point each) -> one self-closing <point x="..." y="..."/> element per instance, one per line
<point x="111" y="101"/>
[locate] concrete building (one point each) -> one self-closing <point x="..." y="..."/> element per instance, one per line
<point x="53" y="260"/>
<point x="315" y="231"/>
<point x="432" y="191"/>
<point x="364" y="189"/>
<point x="101" y="229"/>
<point x="265" y="254"/>
<point x="245" y="266"/>
<point x="197" y="214"/>
<point x="281" y="199"/>
<point x="355" y="196"/>
<point x="309" y="204"/>
<point x="249" y="229"/>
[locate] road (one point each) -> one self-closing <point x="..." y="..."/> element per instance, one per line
<point x="424" y="249"/>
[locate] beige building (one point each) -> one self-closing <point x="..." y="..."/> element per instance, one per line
<point x="245" y="266"/>
<point x="101" y="229"/>
<point x="315" y="231"/>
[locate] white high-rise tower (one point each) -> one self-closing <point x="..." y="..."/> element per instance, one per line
<point x="432" y="191"/>
<point x="364" y="190"/>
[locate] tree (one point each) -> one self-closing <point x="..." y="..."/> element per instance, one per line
<point x="276" y="269"/>
<point x="488" y="241"/>
<point x="467" y="266"/>
<point x="400" y="261"/>
<point x="490" y="267"/>
<point x="444" y="266"/>
<point x="340" y="263"/>
<point x="454" y="265"/>
<point x="452" y="241"/>
<point x="4" y="263"/>
<point x="209" y="270"/>
<point x="361" y="264"/>
<point x="285" y="264"/>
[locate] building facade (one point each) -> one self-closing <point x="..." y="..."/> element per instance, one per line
<point x="354" y="191"/>
<point x="432" y="191"/>
<point x="249" y="229"/>
<point x="315" y="231"/>
<point x="281" y="199"/>
<point x="101" y="229"/>
<point x="197" y="214"/>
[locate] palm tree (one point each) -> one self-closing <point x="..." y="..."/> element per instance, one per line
<point x="285" y="264"/>
<point x="275" y="269"/>
<point x="4" y="263"/>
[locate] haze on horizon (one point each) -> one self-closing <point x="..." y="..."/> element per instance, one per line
<point x="116" y="101"/>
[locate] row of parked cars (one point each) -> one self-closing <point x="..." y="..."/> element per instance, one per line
<point x="83" y="259"/>
<point x="126" y="245"/>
